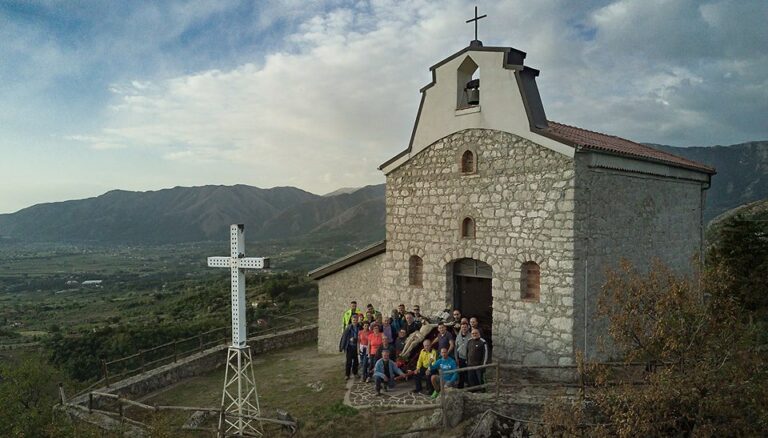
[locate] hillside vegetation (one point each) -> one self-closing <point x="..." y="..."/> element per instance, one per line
<point x="754" y="211"/>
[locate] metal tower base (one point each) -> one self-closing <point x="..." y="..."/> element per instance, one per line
<point x="239" y="399"/>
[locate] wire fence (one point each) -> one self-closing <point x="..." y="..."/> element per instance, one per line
<point x="120" y="404"/>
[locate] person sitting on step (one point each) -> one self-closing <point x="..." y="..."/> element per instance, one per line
<point x="427" y="358"/>
<point x="385" y="372"/>
<point x="445" y="363"/>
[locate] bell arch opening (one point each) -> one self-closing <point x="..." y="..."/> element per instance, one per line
<point x="467" y="84"/>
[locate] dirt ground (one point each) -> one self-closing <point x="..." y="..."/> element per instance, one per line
<point x="308" y="385"/>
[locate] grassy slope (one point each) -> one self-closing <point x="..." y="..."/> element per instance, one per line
<point x="283" y="378"/>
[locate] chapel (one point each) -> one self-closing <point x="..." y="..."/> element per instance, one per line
<point x="514" y="218"/>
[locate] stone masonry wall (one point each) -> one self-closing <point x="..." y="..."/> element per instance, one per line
<point x="522" y="200"/>
<point x="631" y="216"/>
<point x="360" y="282"/>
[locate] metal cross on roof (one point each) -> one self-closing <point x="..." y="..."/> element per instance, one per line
<point x="476" y="20"/>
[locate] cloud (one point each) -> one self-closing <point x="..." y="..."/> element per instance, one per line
<point x="338" y="99"/>
<point x="96" y="143"/>
<point x="677" y="72"/>
<point x="318" y="94"/>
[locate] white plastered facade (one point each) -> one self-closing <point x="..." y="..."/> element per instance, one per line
<point x="501" y="106"/>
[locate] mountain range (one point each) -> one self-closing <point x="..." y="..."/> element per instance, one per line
<point x="742" y="173"/>
<point x="195" y="214"/>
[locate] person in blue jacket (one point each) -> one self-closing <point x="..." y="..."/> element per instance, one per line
<point x="385" y="372"/>
<point x="445" y="363"/>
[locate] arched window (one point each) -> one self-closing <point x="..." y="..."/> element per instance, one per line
<point x="530" y="281"/>
<point x="415" y="271"/>
<point x="468" y="162"/>
<point x="468" y="228"/>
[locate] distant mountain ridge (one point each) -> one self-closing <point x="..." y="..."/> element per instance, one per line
<point x="194" y="214"/>
<point x="191" y="214"/>
<point x="742" y="173"/>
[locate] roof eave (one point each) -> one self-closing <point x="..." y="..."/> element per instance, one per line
<point x="349" y="260"/>
<point x="582" y="146"/>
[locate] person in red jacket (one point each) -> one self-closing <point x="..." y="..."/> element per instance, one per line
<point x="374" y="343"/>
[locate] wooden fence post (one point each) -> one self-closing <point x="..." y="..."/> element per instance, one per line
<point x="442" y="397"/>
<point x="222" y="424"/>
<point x="62" y="397"/>
<point x="141" y="359"/>
<point x="175" y="355"/>
<point x="105" y="371"/>
<point x="200" y="338"/>
<point x="90" y="402"/>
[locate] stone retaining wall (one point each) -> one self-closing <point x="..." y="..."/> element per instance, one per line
<point x="461" y="405"/>
<point x="197" y="364"/>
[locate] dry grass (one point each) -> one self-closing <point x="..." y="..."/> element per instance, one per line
<point x="283" y="380"/>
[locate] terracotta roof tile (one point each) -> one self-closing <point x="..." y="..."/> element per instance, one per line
<point x="617" y="145"/>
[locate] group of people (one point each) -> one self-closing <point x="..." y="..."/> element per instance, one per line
<point x="374" y="344"/>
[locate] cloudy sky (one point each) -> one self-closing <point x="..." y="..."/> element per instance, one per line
<point x="137" y="95"/>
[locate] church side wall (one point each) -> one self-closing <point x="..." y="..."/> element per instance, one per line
<point x="358" y="282"/>
<point x="521" y="199"/>
<point x="624" y="215"/>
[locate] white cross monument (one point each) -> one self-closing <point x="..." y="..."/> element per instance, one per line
<point x="239" y="397"/>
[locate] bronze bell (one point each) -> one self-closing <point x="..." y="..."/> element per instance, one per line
<point x="472" y="91"/>
<point x="473" y="96"/>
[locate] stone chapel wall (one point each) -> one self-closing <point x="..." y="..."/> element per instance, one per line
<point x="632" y="216"/>
<point x="359" y="282"/>
<point x="522" y="200"/>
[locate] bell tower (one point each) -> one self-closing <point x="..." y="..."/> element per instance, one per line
<point x="479" y="87"/>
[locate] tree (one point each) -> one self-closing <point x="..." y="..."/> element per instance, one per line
<point x="712" y="375"/>
<point x="739" y="253"/>
<point x="275" y="287"/>
<point x="28" y="392"/>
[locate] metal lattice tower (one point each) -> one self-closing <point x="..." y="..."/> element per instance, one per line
<point x="239" y="400"/>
